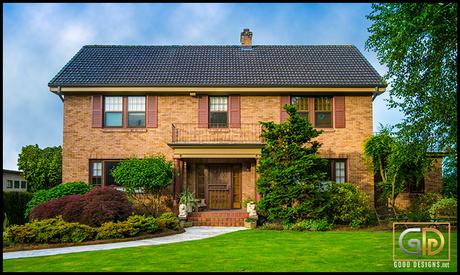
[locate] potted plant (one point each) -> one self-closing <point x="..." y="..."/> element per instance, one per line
<point x="250" y="222"/>
<point x="188" y="198"/>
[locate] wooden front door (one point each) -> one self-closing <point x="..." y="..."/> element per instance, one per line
<point x="220" y="186"/>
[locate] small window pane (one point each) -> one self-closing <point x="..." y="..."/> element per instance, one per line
<point x="323" y="120"/>
<point x="113" y="119"/>
<point x="23" y="185"/>
<point x="97" y="169"/>
<point x="16" y="184"/>
<point x="96" y="180"/>
<point x="113" y="103"/>
<point x="9" y="184"/>
<point x="218" y="120"/>
<point x="136" y="103"/>
<point x="218" y="103"/>
<point x="136" y="119"/>
<point x="300" y="102"/>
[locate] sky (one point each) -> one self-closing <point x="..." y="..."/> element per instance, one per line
<point x="39" y="39"/>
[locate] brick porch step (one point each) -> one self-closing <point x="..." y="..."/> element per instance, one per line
<point x="218" y="218"/>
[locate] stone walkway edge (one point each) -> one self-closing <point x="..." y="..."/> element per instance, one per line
<point x="190" y="234"/>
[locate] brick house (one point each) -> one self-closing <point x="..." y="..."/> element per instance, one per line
<point x="200" y="107"/>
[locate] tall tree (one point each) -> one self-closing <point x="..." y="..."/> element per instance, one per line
<point x="418" y="44"/>
<point x="290" y="169"/>
<point x="42" y="168"/>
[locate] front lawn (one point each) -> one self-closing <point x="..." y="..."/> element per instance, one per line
<point x="249" y="250"/>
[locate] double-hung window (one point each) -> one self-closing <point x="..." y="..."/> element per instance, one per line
<point x="16" y="184"/>
<point x="9" y="184"/>
<point x="113" y="111"/>
<point x="301" y="105"/>
<point x="136" y="111"/>
<point x="323" y="112"/>
<point x="337" y="170"/>
<point x="218" y="115"/>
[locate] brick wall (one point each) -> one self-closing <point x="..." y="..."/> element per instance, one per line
<point x="433" y="183"/>
<point x="81" y="142"/>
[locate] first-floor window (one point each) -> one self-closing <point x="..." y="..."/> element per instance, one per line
<point x="16" y="184"/>
<point x="101" y="172"/>
<point x="96" y="172"/>
<point x="23" y="184"/>
<point x="414" y="187"/>
<point x="9" y="184"/>
<point x="108" y="167"/>
<point x="337" y="170"/>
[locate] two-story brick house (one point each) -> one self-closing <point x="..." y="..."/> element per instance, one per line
<point x="200" y="107"/>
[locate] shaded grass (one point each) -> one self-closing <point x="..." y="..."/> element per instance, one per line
<point x="249" y="250"/>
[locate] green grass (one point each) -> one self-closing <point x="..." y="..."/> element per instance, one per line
<point x="249" y="250"/>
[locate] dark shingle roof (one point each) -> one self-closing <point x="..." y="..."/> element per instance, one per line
<point x="263" y="66"/>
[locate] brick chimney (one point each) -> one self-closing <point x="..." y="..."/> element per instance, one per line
<point x="246" y="39"/>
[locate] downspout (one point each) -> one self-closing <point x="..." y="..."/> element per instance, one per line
<point x="59" y="93"/>
<point x="376" y="93"/>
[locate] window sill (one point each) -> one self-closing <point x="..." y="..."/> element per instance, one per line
<point x="123" y="130"/>
<point x="326" y="129"/>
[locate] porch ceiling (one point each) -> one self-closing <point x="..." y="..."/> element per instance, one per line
<point x="217" y="151"/>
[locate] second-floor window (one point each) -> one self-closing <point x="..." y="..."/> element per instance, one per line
<point x="124" y="111"/>
<point x="113" y="111"/>
<point x="301" y="105"/>
<point x="136" y="111"/>
<point x="323" y="112"/>
<point x="218" y="114"/>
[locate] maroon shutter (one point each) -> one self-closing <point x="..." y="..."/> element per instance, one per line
<point x="235" y="111"/>
<point x="203" y="111"/>
<point x="339" y="111"/>
<point x="284" y="99"/>
<point x="152" y="111"/>
<point x="96" y="101"/>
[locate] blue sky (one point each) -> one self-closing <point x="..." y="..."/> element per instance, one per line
<point x="39" y="39"/>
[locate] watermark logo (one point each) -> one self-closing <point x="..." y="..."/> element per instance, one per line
<point x="421" y="244"/>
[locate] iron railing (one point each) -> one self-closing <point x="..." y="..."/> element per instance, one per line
<point x="190" y="133"/>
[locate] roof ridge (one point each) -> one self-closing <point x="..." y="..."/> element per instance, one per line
<point x="263" y="45"/>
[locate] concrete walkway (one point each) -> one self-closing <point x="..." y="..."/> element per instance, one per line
<point x="190" y="234"/>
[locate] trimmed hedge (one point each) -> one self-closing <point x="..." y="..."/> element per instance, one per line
<point x="56" y="230"/>
<point x="310" y="225"/>
<point x="68" y="188"/>
<point x="446" y="207"/>
<point x="15" y="205"/>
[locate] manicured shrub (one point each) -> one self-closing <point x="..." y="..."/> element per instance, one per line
<point x="168" y="220"/>
<point x="271" y="226"/>
<point x="143" y="223"/>
<point x="419" y="209"/>
<point x="68" y="188"/>
<point x="151" y="204"/>
<point x="150" y="174"/>
<point x="6" y="239"/>
<point x="345" y="203"/>
<point x="114" y="230"/>
<point x="69" y="207"/>
<point x="446" y="207"/>
<point x="54" y="230"/>
<point x="103" y="204"/>
<point x="15" y="205"/>
<point x="310" y="225"/>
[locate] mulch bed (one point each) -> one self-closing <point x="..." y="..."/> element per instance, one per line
<point x="22" y="247"/>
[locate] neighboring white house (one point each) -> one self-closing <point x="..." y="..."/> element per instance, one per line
<point x="13" y="181"/>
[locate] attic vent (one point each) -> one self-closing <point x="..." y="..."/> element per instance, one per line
<point x="246" y="39"/>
